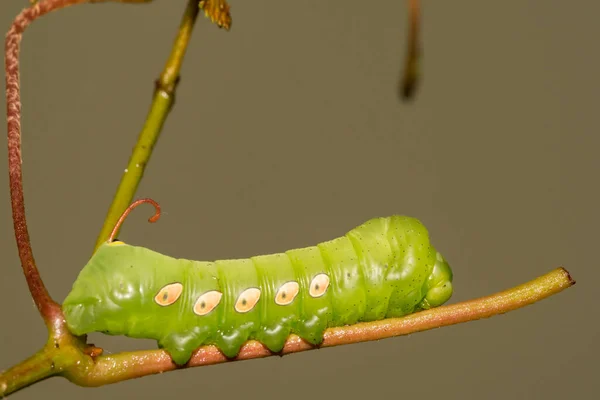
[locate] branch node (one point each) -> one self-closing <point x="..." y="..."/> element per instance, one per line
<point x="167" y="87"/>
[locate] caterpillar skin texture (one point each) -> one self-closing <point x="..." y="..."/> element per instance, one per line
<point x="384" y="268"/>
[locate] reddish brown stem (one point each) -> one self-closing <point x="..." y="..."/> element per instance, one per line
<point x="47" y="307"/>
<point x="129" y="209"/>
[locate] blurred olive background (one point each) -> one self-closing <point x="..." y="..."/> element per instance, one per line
<point x="288" y="131"/>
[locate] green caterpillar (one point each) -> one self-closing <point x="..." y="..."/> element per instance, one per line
<point x="384" y="268"/>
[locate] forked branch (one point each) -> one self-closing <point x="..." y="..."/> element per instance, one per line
<point x="70" y="357"/>
<point x="62" y="349"/>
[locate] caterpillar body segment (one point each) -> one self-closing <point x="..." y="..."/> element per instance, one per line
<point x="384" y="268"/>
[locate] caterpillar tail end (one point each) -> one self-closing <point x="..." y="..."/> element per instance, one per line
<point x="439" y="285"/>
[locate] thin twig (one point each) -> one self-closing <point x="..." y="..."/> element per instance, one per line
<point x="164" y="98"/>
<point x="412" y="67"/>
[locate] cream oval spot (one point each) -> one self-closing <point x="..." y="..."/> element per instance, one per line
<point x="287" y="293"/>
<point x="116" y="243"/>
<point x="168" y="294"/>
<point x="247" y="300"/>
<point x="207" y="302"/>
<point x="319" y="285"/>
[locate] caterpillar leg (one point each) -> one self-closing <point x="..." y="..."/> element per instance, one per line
<point x="180" y="346"/>
<point x="312" y="329"/>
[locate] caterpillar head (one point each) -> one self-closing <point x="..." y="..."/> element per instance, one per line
<point x="115" y="292"/>
<point x="438" y="287"/>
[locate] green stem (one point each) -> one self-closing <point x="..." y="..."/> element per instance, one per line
<point x="164" y="97"/>
<point x="61" y="353"/>
<point x="34" y="369"/>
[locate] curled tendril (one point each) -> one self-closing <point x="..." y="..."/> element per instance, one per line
<point x="129" y="209"/>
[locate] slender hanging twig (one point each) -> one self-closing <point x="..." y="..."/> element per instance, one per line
<point x="412" y="67"/>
